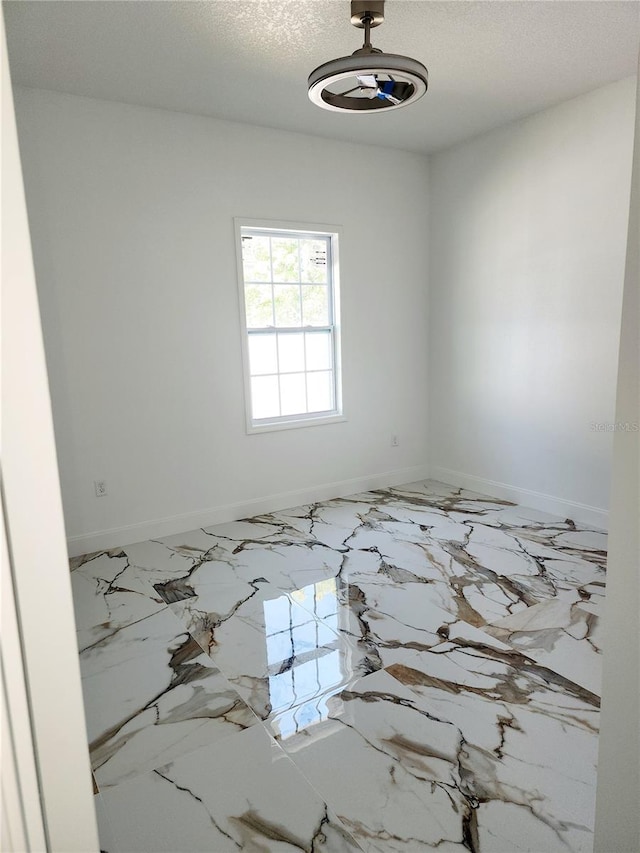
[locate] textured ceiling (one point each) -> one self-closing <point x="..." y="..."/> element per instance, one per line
<point x="248" y="60"/>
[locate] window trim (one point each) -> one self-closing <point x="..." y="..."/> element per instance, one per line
<point x="278" y="227"/>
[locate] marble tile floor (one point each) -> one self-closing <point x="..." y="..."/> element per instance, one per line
<point x="413" y="668"/>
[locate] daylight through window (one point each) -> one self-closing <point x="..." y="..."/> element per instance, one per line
<point x="289" y="294"/>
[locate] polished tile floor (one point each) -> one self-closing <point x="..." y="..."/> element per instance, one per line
<point x="414" y="668"/>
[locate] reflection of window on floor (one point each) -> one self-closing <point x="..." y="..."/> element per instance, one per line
<point x="304" y="663"/>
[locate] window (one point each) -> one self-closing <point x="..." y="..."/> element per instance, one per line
<point x="289" y="304"/>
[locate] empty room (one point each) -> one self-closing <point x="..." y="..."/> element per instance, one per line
<point x="320" y="429"/>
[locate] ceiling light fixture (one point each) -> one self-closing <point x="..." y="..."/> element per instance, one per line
<point x="368" y="80"/>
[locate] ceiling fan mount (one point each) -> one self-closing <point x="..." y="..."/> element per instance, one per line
<point x="372" y="9"/>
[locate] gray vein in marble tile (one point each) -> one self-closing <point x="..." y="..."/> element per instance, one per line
<point x="469" y="782"/>
<point x="185" y="670"/>
<point x="198" y="799"/>
<point x="252" y="821"/>
<point x="449" y="503"/>
<point x="212" y="623"/>
<point x="506" y="690"/>
<point x="517" y="591"/>
<point x="104" y="639"/>
<point x="283" y="534"/>
<point x="77" y="562"/>
<point x="198" y="558"/>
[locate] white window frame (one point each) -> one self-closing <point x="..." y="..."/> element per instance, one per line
<point x="300" y="229"/>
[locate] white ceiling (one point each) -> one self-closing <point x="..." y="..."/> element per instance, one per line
<point x="248" y="60"/>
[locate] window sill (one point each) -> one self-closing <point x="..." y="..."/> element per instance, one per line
<point x="306" y="422"/>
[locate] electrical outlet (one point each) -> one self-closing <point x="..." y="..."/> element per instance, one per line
<point x="100" y="487"/>
<point x="395" y="440"/>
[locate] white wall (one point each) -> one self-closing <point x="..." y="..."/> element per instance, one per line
<point x="617" y="816"/>
<point x="131" y="213"/>
<point x="528" y="232"/>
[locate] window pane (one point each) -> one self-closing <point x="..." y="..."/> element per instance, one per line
<point x="327" y="601"/>
<point x="329" y="669"/>
<point x="292" y="394"/>
<point x="264" y="396"/>
<point x="306" y="681"/>
<point x="331" y="621"/>
<point x="313" y="711"/>
<point x="318" y="345"/>
<point x="304" y="596"/>
<point x="313" y="260"/>
<point x="286" y="722"/>
<point x="300" y="616"/>
<point x="285" y="259"/>
<point x="281" y="693"/>
<point x="262" y="354"/>
<point x="279" y="647"/>
<point x="277" y="614"/>
<point x="320" y="391"/>
<point x="258" y="304"/>
<point x="256" y="260"/>
<point x="291" y="353"/>
<point x="305" y="638"/>
<point x="312" y="635"/>
<point x="315" y="305"/>
<point x="287" y="304"/>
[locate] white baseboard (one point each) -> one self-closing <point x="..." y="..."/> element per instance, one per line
<point x="583" y="513"/>
<point x="101" y="540"/>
